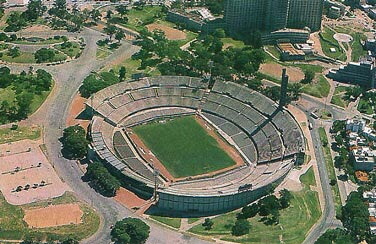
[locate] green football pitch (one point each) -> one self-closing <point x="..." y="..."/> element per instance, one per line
<point x="184" y="147"/>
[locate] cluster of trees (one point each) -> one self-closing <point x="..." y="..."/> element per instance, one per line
<point x="44" y="55"/>
<point x="75" y="144"/>
<point x="130" y="231"/>
<point x="96" y="82"/>
<point x="274" y="92"/>
<point x="203" y="57"/>
<point x="72" y="20"/>
<point x="268" y="208"/>
<point x="369" y="104"/>
<point x="344" y="160"/>
<point x="25" y="86"/>
<point x="355" y="220"/>
<point x="309" y="75"/>
<point x="122" y="10"/>
<point x="336" y="236"/>
<point x="18" y="20"/>
<point x="101" y="179"/>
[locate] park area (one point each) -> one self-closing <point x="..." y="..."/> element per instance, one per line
<point x="184" y="147"/>
<point x="294" y="222"/>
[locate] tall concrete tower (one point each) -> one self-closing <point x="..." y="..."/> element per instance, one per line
<point x="285" y="81"/>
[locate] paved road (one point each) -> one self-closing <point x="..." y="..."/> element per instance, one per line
<point x="68" y="78"/>
<point x="328" y="219"/>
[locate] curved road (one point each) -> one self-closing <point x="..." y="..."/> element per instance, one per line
<point x="52" y="116"/>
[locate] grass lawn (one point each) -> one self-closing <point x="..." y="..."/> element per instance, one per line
<point x="7" y="135"/>
<point x="319" y="88"/>
<point x="72" y="52"/>
<point x="12" y="226"/>
<point x="173" y="222"/>
<point x="230" y="42"/>
<point x="192" y="220"/>
<point x="138" y="18"/>
<point x="338" y="97"/>
<point x="273" y="50"/>
<point x="133" y="67"/>
<point x="357" y="48"/>
<point x="295" y="221"/>
<point x="184" y="147"/>
<point x="39" y="99"/>
<point x="102" y="53"/>
<point x="330" y="168"/>
<point x="25" y="57"/>
<point x="308" y="178"/>
<point x="327" y="41"/>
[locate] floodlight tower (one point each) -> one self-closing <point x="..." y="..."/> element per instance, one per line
<point x="285" y="81"/>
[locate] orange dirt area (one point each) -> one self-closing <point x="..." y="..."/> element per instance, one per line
<point x="54" y="215"/>
<point x="362" y="176"/>
<point x="129" y="199"/>
<point x="77" y="106"/>
<point x="26" y="175"/>
<point x="149" y="157"/>
<point x="275" y="70"/>
<point x="171" y="33"/>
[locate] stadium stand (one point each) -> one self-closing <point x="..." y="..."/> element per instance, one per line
<point x="266" y="137"/>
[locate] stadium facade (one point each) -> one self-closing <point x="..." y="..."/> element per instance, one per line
<point x="266" y="136"/>
<point x="272" y="15"/>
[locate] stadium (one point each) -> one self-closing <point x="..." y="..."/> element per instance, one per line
<point x="194" y="149"/>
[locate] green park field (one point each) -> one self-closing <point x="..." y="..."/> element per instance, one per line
<point x="184" y="147"/>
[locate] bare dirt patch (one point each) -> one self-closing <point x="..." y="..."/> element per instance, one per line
<point x="75" y="112"/>
<point x="341" y="37"/>
<point x="37" y="28"/>
<point x="275" y="70"/>
<point x="171" y="33"/>
<point x="23" y="165"/>
<point x="129" y="199"/>
<point x="54" y="215"/>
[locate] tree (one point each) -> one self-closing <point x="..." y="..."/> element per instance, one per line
<point x="59" y="9"/>
<point x="44" y="55"/>
<point x="208" y="224"/>
<point x="119" y="35"/>
<point x="285" y="198"/>
<point x="95" y="15"/>
<point x="122" y="72"/>
<point x="122" y="10"/>
<point x="74" y="142"/>
<point x="130" y="230"/>
<point x="110" y="30"/>
<point x="267" y="204"/>
<point x="101" y="179"/>
<point x="241" y="227"/>
<point x="35" y="9"/>
<point x="109" y="14"/>
<point x="94" y="83"/>
<point x="308" y="76"/>
<point x="23" y="101"/>
<point x="14" y="52"/>
<point x="248" y="211"/>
